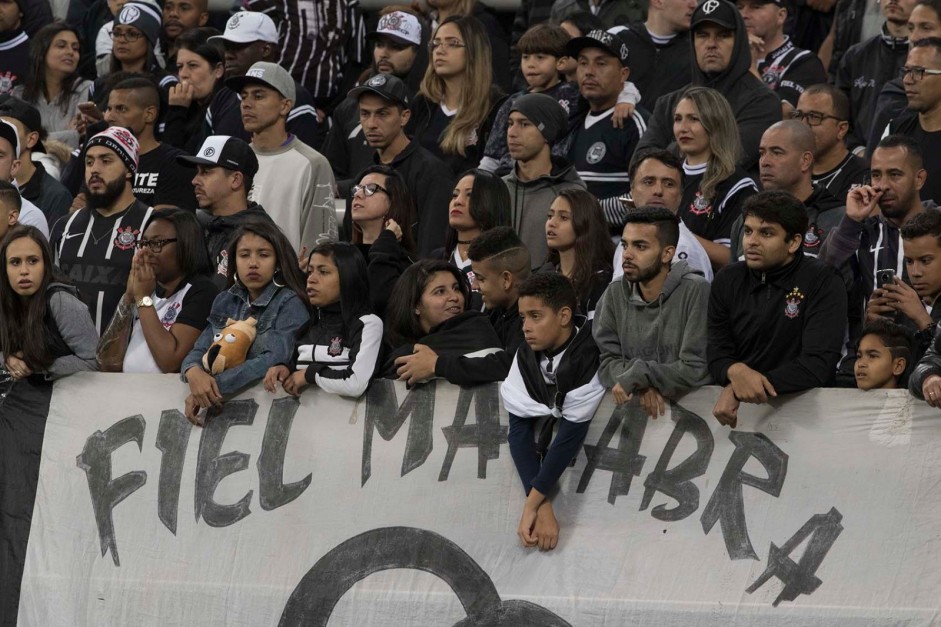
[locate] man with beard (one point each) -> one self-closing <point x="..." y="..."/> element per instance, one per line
<point x="179" y="16"/>
<point x="99" y="241"/>
<point x="399" y="46"/>
<point x="651" y="325"/>
<point x="248" y="38"/>
<point x="777" y="319"/>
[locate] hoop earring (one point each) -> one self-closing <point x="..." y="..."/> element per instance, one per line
<point x="274" y="279"/>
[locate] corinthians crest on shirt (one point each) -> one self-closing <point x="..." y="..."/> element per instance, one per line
<point x="792" y="303"/>
<point x="700" y="205"/>
<point x="813" y="237"/>
<point x="126" y="238"/>
<point x="336" y="347"/>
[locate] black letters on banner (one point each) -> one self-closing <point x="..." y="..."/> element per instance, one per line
<point x="727" y="505"/>
<point x="486" y="435"/>
<point x="272" y="492"/>
<point x="106" y="493"/>
<point x="385" y="416"/>
<point x="800" y="578"/>
<point x="624" y="462"/>
<point x="212" y="468"/>
<point x="173" y="437"/>
<point x="312" y="601"/>
<point x="677" y="482"/>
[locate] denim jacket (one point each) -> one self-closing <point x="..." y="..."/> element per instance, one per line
<point x="280" y="316"/>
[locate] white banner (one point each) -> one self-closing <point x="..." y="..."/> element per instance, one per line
<point x="401" y="509"/>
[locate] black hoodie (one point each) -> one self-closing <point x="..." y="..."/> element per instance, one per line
<point x="219" y="230"/>
<point x="755" y="106"/>
<point x="657" y="68"/>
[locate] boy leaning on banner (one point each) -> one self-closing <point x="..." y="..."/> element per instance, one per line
<point x="554" y="375"/>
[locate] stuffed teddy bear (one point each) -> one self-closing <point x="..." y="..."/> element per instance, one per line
<point x="230" y="346"/>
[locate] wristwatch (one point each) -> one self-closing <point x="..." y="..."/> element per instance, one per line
<point x="146" y="301"/>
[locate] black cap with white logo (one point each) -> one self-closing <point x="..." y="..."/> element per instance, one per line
<point x="386" y="86"/>
<point x="719" y="12"/>
<point x="226" y="152"/>
<point x="613" y="43"/>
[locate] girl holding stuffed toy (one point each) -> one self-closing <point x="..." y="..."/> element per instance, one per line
<point x="266" y="284"/>
<point x="339" y="350"/>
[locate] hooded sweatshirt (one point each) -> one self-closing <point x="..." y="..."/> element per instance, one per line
<point x="530" y="202"/>
<point x="219" y="231"/>
<point x="755" y="106"/>
<point x="660" y="344"/>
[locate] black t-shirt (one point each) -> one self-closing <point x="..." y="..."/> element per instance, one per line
<point x="931" y="154"/>
<point x="849" y="173"/>
<point x="160" y="180"/>
<point x="437" y="124"/>
<point x="96" y="253"/>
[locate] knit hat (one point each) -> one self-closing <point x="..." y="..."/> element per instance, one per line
<point x="144" y="18"/>
<point x="546" y="113"/>
<point x="121" y="142"/>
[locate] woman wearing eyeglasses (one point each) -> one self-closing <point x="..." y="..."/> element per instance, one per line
<point x="384" y="223"/>
<point x="455" y="107"/>
<point x="714" y="186"/>
<point x="168" y="298"/>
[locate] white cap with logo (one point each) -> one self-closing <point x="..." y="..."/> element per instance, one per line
<point x="247" y="27"/>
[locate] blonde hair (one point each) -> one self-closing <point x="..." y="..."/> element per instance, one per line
<point x="725" y="145"/>
<point x="474" y="104"/>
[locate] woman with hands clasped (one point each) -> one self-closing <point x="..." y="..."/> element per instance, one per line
<point x="339" y="350"/>
<point x="168" y="298"/>
<point x="266" y="284"/>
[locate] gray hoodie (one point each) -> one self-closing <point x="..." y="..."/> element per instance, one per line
<point x="661" y="344"/>
<point x="530" y="202"/>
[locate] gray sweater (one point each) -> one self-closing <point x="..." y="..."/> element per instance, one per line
<point x="661" y="344"/>
<point x="78" y="331"/>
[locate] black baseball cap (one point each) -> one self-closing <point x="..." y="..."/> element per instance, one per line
<point x="719" y="12"/>
<point x="26" y="114"/>
<point x="385" y="86"/>
<point x="226" y="152"/>
<point x="613" y="43"/>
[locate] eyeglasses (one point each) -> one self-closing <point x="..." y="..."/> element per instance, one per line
<point x="155" y="245"/>
<point x="447" y="44"/>
<point x="129" y="35"/>
<point x="812" y="118"/>
<point x="917" y="73"/>
<point x="369" y="189"/>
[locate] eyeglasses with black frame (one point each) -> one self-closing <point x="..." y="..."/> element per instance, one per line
<point x="155" y="245"/>
<point x="813" y="118"/>
<point x="918" y="73"/>
<point x="129" y="35"/>
<point x="369" y="189"/>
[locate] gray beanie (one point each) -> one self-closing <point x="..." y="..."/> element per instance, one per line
<point x="546" y="113"/>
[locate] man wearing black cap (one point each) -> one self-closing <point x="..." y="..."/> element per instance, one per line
<point x="36" y="185"/>
<point x="14" y="46"/>
<point x="225" y="169"/>
<point x="397" y="50"/>
<point x="536" y="122"/>
<point x="722" y="61"/>
<point x="599" y="151"/>
<point x="383" y="103"/>
<point x="785" y="68"/>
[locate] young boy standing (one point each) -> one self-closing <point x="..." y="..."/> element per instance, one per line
<point x="554" y="375"/>
<point x="885" y="350"/>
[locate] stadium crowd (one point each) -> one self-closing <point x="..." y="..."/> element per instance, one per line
<point x="641" y="197"/>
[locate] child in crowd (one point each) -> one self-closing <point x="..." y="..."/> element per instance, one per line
<point x="883" y="356"/>
<point x="265" y="283"/>
<point x="579" y="246"/>
<point x="554" y="375"/>
<point x="543" y="64"/>
<point x="428" y="327"/>
<point x="340" y="348"/>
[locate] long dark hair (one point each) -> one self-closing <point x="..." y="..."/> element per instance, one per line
<point x="593" y="246"/>
<point x="401" y="206"/>
<point x="22" y="319"/>
<point x="402" y="325"/>
<point x="354" y="281"/>
<point x="191" y="253"/>
<point x="38" y="49"/>
<point x="196" y="40"/>
<point x="489" y="205"/>
<point x="288" y="273"/>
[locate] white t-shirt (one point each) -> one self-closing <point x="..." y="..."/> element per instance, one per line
<point x="138" y="357"/>
<point x="688" y="249"/>
<point x="32" y="215"/>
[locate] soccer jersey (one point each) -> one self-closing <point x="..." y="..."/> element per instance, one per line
<point x="601" y="153"/>
<point x="712" y="218"/>
<point x="96" y="253"/>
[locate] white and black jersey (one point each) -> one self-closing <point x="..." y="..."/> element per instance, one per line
<point x="601" y="154"/>
<point x="789" y="70"/>
<point x="713" y="218"/>
<point x="340" y="361"/>
<point x="96" y="253"/>
<point x="851" y="172"/>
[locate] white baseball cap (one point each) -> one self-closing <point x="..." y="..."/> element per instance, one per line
<point x="399" y="25"/>
<point x="249" y="26"/>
